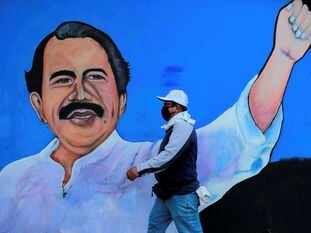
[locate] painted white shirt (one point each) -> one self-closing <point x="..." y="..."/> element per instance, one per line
<point x="98" y="198"/>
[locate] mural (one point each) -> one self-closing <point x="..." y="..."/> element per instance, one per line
<point x="78" y="83"/>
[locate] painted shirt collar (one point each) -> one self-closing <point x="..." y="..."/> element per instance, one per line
<point x="102" y="151"/>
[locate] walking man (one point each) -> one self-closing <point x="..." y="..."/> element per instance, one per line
<point x="175" y="170"/>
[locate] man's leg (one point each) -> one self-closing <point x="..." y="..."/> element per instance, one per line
<point x="184" y="211"/>
<point x="160" y="217"/>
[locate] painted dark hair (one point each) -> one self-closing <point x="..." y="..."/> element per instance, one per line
<point x="76" y="29"/>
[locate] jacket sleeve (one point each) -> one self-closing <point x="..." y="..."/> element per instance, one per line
<point x="178" y="142"/>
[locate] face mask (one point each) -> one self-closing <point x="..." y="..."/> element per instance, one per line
<point x="165" y="113"/>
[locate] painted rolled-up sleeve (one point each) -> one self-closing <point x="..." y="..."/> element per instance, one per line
<point x="233" y="148"/>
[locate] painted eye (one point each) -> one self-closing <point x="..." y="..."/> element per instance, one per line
<point x="64" y="81"/>
<point x="96" y="77"/>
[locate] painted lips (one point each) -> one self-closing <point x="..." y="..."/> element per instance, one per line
<point x="82" y="117"/>
<point x="81" y="114"/>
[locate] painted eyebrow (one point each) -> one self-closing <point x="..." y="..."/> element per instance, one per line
<point x="62" y="72"/>
<point x="94" y="70"/>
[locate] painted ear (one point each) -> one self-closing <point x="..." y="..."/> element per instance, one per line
<point x="36" y="102"/>
<point x="122" y="104"/>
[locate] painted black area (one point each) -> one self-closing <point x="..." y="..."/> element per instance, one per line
<point x="278" y="200"/>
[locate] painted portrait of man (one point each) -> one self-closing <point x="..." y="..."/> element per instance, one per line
<point x="77" y="86"/>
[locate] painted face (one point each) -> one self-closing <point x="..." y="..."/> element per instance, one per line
<point x="80" y="100"/>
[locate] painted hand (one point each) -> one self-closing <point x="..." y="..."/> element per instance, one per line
<point x="132" y="173"/>
<point x="293" y="30"/>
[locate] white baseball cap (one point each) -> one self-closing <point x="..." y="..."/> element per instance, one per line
<point x="177" y="96"/>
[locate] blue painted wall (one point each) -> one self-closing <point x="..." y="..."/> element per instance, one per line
<point x="210" y="49"/>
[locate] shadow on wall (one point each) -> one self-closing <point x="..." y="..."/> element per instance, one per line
<point x="275" y="201"/>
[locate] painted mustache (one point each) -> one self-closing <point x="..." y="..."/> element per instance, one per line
<point x="66" y="111"/>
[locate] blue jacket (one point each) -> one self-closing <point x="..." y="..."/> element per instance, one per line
<point x="175" y="164"/>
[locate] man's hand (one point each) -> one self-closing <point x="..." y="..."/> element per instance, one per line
<point x="132" y="173"/>
<point x="293" y="29"/>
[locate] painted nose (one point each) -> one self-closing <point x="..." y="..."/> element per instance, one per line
<point x="79" y="93"/>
